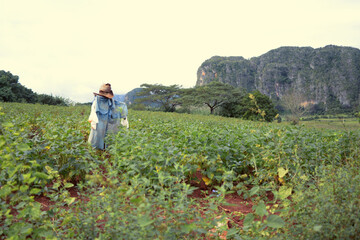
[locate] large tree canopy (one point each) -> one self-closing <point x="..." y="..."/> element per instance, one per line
<point x="212" y="95"/>
<point x="231" y="107"/>
<point x="165" y="96"/>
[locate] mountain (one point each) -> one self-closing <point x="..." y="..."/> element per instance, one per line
<point x="329" y="76"/>
<point x="130" y="97"/>
<point x="119" y="97"/>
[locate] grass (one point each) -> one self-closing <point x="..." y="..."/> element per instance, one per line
<point x="333" y="123"/>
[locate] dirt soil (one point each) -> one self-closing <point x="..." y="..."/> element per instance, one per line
<point x="236" y="208"/>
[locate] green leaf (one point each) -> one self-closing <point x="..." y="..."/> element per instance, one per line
<point x="137" y="200"/>
<point x="31" y="180"/>
<point x="5" y="191"/>
<point x="304" y="177"/>
<point x="13" y="171"/>
<point x="260" y="209"/>
<point x="56" y="185"/>
<point x="70" y="200"/>
<point x="26" y="176"/>
<point x="41" y="175"/>
<point x="36" y="211"/>
<point x="254" y="190"/>
<point x="46" y="234"/>
<point x="248" y="221"/>
<point x="284" y="192"/>
<point x="282" y="172"/>
<point x="231" y="232"/>
<point x="8" y="124"/>
<point x="317" y="228"/>
<point x="35" y="191"/>
<point x="2" y="141"/>
<point x="28" y="179"/>
<point x="26" y="230"/>
<point x="23" y="147"/>
<point x="67" y="220"/>
<point x="68" y="185"/>
<point x="24" y="188"/>
<point x="145" y="221"/>
<point x="275" y="221"/>
<point x="187" y="228"/>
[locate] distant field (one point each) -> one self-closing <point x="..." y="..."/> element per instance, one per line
<point x="333" y="123"/>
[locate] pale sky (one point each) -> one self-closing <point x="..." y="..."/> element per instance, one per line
<point x="69" y="48"/>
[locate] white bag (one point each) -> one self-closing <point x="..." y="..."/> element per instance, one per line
<point x="125" y="122"/>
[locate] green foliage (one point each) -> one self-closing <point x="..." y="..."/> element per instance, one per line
<point x="140" y="187"/>
<point x="12" y="91"/>
<point x="231" y="106"/>
<point x="232" y="102"/>
<point x="31" y="148"/>
<point x="51" y="100"/>
<point x="212" y="95"/>
<point x="44" y="148"/>
<point x="251" y="106"/>
<point x="329" y="209"/>
<point x="259" y="107"/>
<point x="163" y="96"/>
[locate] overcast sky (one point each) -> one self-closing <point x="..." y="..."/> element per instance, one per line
<point x="69" y="48"/>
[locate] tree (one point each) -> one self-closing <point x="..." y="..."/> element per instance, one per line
<point x="231" y="107"/>
<point x="7" y="83"/>
<point x="250" y="106"/>
<point x="51" y="100"/>
<point x="212" y="95"/>
<point x="165" y="96"/>
<point x="296" y="104"/>
<point x="12" y="91"/>
<point x="257" y="106"/>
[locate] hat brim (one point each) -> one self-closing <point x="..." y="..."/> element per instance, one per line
<point x="107" y="95"/>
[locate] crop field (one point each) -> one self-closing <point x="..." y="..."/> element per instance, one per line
<point x="174" y="176"/>
<point x="334" y="123"/>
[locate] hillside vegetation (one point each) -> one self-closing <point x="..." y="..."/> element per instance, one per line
<point x="11" y="90"/>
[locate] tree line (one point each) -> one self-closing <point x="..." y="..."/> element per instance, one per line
<point x="226" y="100"/>
<point x="12" y="91"/>
<point x="220" y="98"/>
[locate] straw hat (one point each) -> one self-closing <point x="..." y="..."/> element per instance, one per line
<point x="105" y="91"/>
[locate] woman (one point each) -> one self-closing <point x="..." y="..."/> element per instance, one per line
<point x="105" y="115"/>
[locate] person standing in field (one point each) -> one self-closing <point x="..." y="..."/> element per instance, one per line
<point x="105" y="116"/>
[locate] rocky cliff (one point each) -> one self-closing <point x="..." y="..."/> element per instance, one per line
<point x="329" y="75"/>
